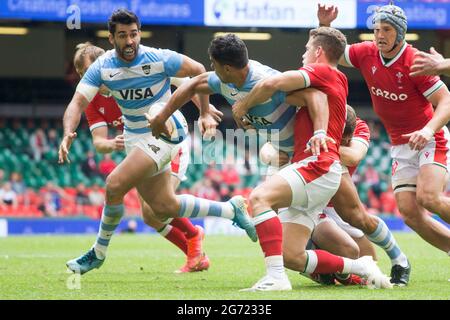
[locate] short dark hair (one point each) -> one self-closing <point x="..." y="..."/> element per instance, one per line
<point x="229" y="49"/>
<point x="350" y="123"/>
<point x="122" y="16"/>
<point x="332" y="41"/>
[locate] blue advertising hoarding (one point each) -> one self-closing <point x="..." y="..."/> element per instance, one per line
<point x="158" y="12"/>
<point x="421" y="14"/>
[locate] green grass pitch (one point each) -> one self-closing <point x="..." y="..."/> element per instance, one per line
<point x="141" y="267"/>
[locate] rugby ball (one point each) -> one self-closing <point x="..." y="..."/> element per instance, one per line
<point x="268" y="154"/>
<point x="176" y="124"/>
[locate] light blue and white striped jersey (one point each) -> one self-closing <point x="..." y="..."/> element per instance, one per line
<point x="274" y="114"/>
<point x="136" y="85"/>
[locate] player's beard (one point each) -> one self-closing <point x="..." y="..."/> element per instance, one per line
<point x="125" y="53"/>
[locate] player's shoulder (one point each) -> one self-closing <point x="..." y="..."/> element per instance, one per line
<point x="362" y="132"/>
<point x="258" y="72"/>
<point x="155" y="54"/>
<point x="212" y="77"/>
<point x="259" y="69"/>
<point x="316" y="67"/>
<point x="409" y="54"/>
<point x="361" y="124"/>
<point x="107" y="60"/>
<point x="323" y="69"/>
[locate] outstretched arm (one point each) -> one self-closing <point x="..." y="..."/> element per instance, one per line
<point x="196" y="99"/>
<point x="264" y="90"/>
<point x="352" y="154"/>
<point x="71" y="120"/>
<point x="432" y="63"/>
<point x="104" y="145"/>
<point x="326" y="15"/>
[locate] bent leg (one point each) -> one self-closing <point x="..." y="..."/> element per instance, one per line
<point x="366" y="247"/>
<point x="124" y="177"/>
<point x="349" y="207"/>
<point x="430" y="183"/>
<point x="328" y="236"/>
<point x="421" y="222"/>
<point x="295" y="238"/>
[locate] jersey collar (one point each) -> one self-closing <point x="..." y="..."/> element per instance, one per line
<point x="393" y="60"/>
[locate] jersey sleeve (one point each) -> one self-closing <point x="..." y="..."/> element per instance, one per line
<point x="354" y="52"/>
<point x="214" y="82"/>
<point x="427" y="85"/>
<point x="94" y="118"/>
<point x="91" y="81"/>
<point x="314" y="74"/>
<point x="172" y="61"/>
<point x="362" y="133"/>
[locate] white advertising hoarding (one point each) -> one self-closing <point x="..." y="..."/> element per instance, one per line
<point x="3" y="228"/>
<point x="275" y="13"/>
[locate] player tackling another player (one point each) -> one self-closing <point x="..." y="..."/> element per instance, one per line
<point x="307" y="185"/>
<point x="234" y="78"/>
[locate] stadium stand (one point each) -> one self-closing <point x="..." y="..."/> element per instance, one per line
<point x="49" y="189"/>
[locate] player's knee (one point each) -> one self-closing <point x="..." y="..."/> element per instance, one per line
<point x="289" y="260"/>
<point x="164" y="209"/>
<point x="411" y="215"/>
<point x="150" y="218"/>
<point x="294" y="259"/>
<point x="350" y="250"/>
<point x="150" y="221"/>
<point x="428" y="200"/>
<point x="257" y="199"/>
<point x="114" y="187"/>
<point x="357" y="217"/>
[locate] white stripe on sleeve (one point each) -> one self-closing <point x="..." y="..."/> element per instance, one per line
<point x="87" y="90"/>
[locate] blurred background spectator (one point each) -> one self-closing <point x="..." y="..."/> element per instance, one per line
<point x="107" y="165"/>
<point x="38" y="144"/>
<point x="8" y="196"/>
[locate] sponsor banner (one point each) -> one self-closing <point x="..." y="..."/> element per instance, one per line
<point x="421" y="14"/>
<point x="26" y="226"/>
<point x="173" y="12"/>
<point x="212" y="225"/>
<point x="280" y="13"/>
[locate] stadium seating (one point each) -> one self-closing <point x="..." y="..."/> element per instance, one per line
<point x="16" y="156"/>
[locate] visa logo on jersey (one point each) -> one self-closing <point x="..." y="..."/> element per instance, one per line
<point x="258" y="120"/>
<point x="136" y="94"/>
<point x="388" y="95"/>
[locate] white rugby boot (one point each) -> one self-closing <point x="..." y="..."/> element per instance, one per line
<point x="376" y="279"/>
<point x="269" y="283"/>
